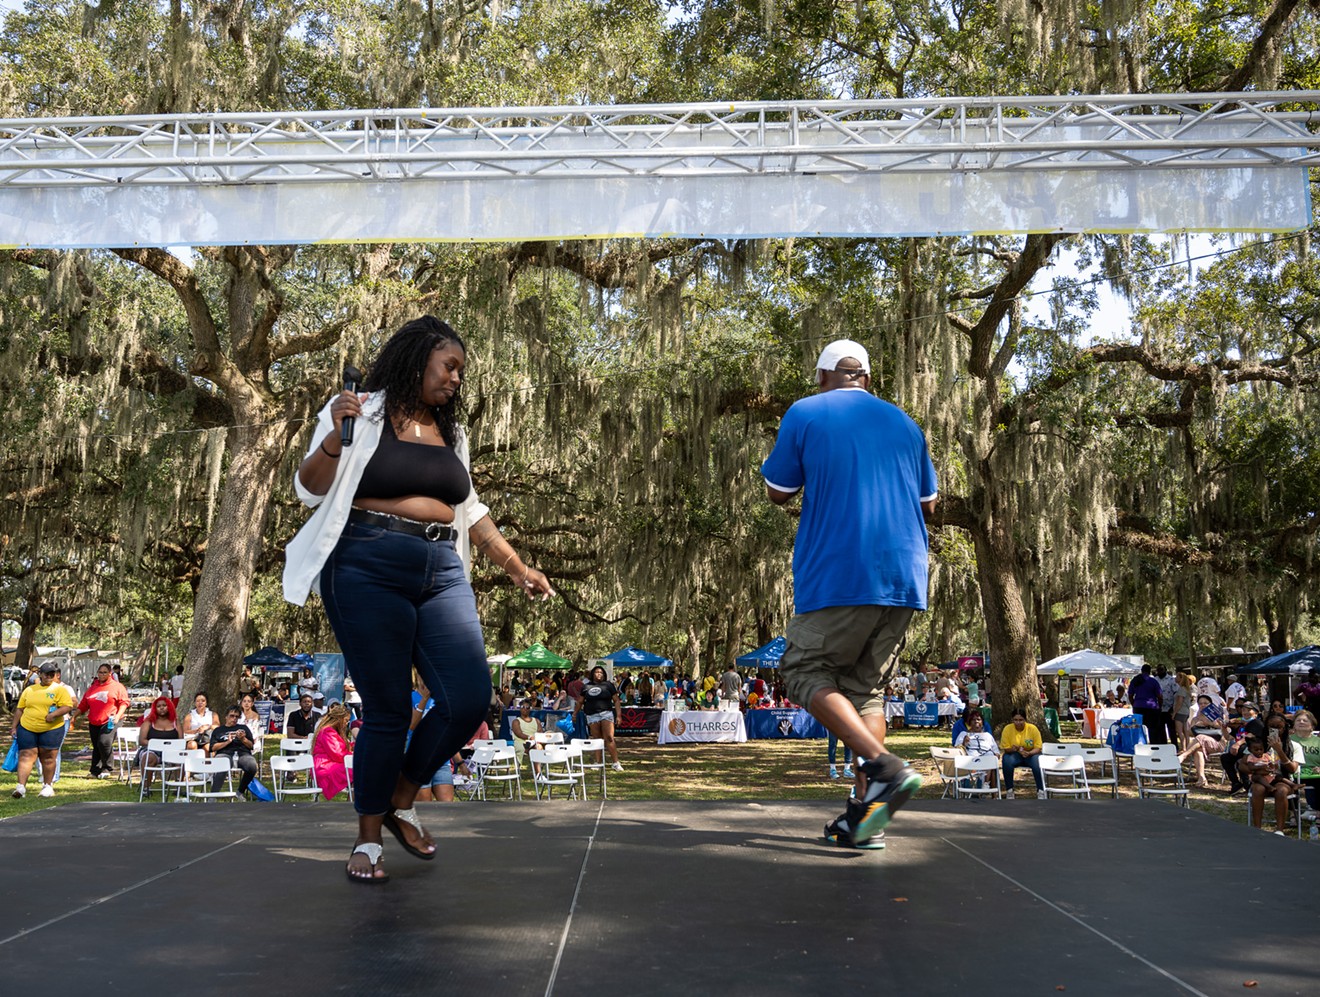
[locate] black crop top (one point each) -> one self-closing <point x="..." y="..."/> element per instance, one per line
<point x="399" y="468"/>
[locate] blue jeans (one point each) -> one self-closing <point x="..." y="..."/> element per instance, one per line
<point x="1012" y="760"/>
<point x="396" y="601"/>
<point x="832" y="750"/>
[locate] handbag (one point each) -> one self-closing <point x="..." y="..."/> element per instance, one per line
<point x="260" y="791"/>
<point x="566" y="725"/>
<point x="11" y="758"/>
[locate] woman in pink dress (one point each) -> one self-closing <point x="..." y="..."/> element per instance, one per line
<point x="330" y="746"/>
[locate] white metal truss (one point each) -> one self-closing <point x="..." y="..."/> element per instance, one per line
<point x="966" y="135"/>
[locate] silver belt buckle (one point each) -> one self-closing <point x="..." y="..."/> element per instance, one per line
<point x="436" y="531"/>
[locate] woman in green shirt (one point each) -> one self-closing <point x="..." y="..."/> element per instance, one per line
<point x="1304" y="736"/>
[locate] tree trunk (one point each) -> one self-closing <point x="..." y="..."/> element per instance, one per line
<point x="694" y="653"/>
<point x="1046" y="635"/>
<point x="1277" y="626"/>
<point x="1012" y="655"/>
<point x="215" y="647"/>
<point x="27" y="632"/>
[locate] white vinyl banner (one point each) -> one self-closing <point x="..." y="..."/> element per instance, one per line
<point x="727" y="207"/>
<point x="702" y="725"/>
<point x="684" y="184"/>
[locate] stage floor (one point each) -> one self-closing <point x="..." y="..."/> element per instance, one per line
<point x="581" y="899"/>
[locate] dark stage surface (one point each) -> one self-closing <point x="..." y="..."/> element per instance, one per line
<point x="585" y="899"/>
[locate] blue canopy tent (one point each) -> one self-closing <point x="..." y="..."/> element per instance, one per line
<point x="1300" y="662"/>
<point x="636" y="656"/>
<point x="765" y="656"/>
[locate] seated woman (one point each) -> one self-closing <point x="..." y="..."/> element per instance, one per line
<point x="199" y="722"/>
<point x="1262" y="768"/>
<point x="1307" y="774"/>
<point x="1206" y="726"/>
<point x="158" y="724"/>
<point x="233" y="740"/>
<point x="330" y="746"/>
<point x="1021" y="745"/>
<point x="523" y="727"/>
<point x="975" y="740"/>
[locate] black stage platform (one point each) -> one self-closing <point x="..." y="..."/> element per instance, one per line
<point x="583" y="899"/>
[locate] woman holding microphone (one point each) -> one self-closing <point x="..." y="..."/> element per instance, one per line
<point x="387" y="550"/>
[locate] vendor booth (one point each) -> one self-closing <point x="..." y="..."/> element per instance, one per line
<point x="538" y="658"/>
<point x="1084" y="666"/>
<point x="765" y="656"/>
<point x="1295" y="666"/>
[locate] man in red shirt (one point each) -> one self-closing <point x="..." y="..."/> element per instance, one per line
<point x="105" y="702"/>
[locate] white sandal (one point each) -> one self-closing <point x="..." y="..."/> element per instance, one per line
<point x="373" y="851"/>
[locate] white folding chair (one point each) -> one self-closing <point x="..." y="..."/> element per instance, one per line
<point x="1156" y="775"/>
<point x="1101" y="768"/>
<point x="283" y="767"/>
<point x="1069" y="771"/>
<point x="976" y="775"/>
<point x="182" y="781"/>
<point x="489" y="742"/>
<point x="552" y="767"/>
<point x="125" y="751"/>
<point x="944" y="758"/>
<point x="549" y="737"/>
<point x="202" y="771"/>
<point x="1076" y="715"/>
<point x="500" y="767"/>
<point x="348" y="774"/>
<point x="1060" y="748"/>
<point x="595" y="748"/>
<point x="161" y="768"/>
<point x="292" y="746"/>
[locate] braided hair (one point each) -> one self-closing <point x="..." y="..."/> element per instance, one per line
<point x="398" y="369"/>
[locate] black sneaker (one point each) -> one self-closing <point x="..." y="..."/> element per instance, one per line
<point x="838" y="833"/>
<point x="890" y="783"/>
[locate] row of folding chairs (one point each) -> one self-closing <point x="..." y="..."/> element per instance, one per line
<point x="494" y="763"/>
<point x="1068" y="770"/>
<point x="1072" y="772"/>
<point x="189" y="773"/>
<point x="124" y="752"/>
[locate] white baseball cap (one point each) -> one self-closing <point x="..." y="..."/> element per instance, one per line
<point x="838" y="350"/>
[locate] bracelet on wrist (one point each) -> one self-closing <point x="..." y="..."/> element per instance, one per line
<point x="332" y="456"/>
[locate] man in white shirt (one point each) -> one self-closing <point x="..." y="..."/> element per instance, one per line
<point x="1236" y="690"/>
<point x="176" y="683"/>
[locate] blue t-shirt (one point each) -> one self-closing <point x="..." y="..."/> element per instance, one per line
<point x="864" y="469"/>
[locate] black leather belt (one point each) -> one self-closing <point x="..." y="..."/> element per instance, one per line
<point x="427" y="531"/>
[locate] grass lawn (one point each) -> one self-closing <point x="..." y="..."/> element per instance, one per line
<point x="777" y="770"/>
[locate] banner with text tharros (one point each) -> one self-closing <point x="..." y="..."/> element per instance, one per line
<point x="703" y="725"/>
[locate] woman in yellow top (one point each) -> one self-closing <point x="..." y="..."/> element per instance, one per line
<point x="1021" y="744"/>
<point x="39" y="729"/>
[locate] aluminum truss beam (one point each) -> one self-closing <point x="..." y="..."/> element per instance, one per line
<point x="958" y="135"/>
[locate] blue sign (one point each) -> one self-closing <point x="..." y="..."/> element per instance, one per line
<point x="921" y="714"/>
<point x="765" y="724"/>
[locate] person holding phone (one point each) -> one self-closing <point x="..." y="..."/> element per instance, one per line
<point x="1021" y="744"/>
<point x="234" y="740"/>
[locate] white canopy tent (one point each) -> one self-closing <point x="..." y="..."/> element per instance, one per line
<point x="1087" y="664"/>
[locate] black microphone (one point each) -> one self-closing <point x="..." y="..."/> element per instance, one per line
<point x="352" y="378"/>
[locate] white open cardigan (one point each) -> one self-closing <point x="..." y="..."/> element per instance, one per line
<point x="308" y="551"/>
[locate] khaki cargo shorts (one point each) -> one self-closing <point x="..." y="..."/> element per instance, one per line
<point x="853" y="649"/>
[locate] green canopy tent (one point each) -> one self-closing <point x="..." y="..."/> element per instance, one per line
<point x="538" y="657"/>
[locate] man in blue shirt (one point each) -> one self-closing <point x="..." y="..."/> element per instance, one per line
<point x="859" y="569"/>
